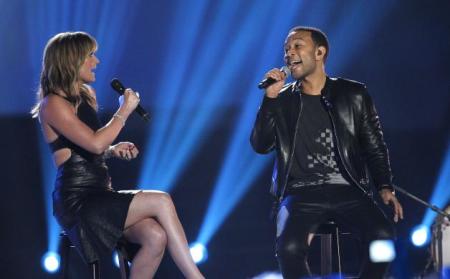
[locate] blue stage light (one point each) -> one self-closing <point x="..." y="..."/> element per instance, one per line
<point x="50" y="262"/>
<point x="268" y="275"/>
<point x="187" y="15"/>
<point x="382" y="251"/>
<point x="116" y="259"/>
<point x="241" y="164"/>
<point x="441" y="192"/>
<point x="193" y="98"/>
<point x="420" y="235"/>
<point x="48" y="178"/>
<point x="198" y="252"/>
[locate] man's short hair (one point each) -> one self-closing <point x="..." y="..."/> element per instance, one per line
<point x="318" y="36"/>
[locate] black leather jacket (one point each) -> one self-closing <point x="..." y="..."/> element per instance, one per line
<point x="356" y="128"/>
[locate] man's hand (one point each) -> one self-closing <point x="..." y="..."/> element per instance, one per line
<point x="124" y="150"/>
<point x="278" y="75"/>
<point x="389" y="198"/>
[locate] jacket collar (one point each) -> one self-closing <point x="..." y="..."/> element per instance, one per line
<point x="295" y="87"/>
<point x="326" y="89"/>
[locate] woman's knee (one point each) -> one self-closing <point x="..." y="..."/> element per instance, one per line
<point x="155" y="236"/>
<point x="149" y="233"/>
<point x="158" y="236"/>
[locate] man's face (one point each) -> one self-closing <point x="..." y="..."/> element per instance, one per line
<point x="300" y="54"/>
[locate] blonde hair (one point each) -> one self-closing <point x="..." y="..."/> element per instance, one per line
<point x="63" y="57"/>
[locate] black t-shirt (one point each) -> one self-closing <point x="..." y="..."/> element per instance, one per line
<point x="315" y="159"/>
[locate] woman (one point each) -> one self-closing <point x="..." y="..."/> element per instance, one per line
<point x="84" y="203"/>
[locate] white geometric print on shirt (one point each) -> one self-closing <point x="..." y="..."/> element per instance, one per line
<point x="329" y="160"/>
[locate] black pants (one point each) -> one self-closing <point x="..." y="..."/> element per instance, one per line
<point x="301" y="213"/>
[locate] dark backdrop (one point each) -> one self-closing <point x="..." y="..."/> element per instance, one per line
<point x="404" y="60"/>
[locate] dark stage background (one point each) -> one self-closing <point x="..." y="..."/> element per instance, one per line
<point x="196" y="66"/>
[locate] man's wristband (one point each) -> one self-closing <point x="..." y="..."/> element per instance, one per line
<point x="387" y="187"/>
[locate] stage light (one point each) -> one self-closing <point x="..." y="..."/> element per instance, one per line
<point x="175" y="139"/>
<point x="116" y="259"/>
<point x="160" y="145"/>
<point x="241" y="165"/>
<point x="48" y="180"/>
<point x="198" y="252"/>
<point x="268" y="275"/>
<point x="277" y="275"/>
<point x="382" y="251"/>
<point x="420" y="235"/>
<point x="50" y="262"/>
<point x="441" y="192"/>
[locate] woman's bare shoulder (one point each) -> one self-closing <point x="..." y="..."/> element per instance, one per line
<point x="55" y="104"/>
<point x="55" y="100"/>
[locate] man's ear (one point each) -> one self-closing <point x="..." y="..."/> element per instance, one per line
<point x="320" y="52"/>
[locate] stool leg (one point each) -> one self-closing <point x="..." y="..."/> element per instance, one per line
<point x="338" y="249"/>
<point x="65" y="254"/>
<point x="95" y="273"/>
<point x="326" y="252"/>
<point x="123" y="264"/>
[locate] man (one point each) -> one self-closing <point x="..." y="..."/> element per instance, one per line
<point x="326" y="133"/>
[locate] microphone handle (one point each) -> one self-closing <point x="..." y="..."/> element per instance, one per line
<point x="266" y="83"/>
<point x="141" y="111"/>
<point x="269" y="81"/>
<point x="120" y="89"/>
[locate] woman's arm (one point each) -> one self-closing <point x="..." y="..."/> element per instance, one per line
<point x="60" y="115"/>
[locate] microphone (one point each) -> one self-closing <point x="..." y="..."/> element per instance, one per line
<point x="118" y="86"/>
<point x="269" y="81"/>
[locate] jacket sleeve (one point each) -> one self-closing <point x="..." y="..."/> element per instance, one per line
<point x="263" y="136"/>
<point x="374" y="146"/>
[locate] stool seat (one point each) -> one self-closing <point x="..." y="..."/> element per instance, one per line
<point x="66" y="245"/>
<point x="326" y="228"/>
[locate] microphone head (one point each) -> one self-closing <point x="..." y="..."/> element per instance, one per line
<point x="286" y="71"/>
<point x="118" y="86"/>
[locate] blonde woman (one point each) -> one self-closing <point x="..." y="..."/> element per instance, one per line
<point x="93" y="214"/>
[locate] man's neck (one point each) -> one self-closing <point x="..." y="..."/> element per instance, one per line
<point x="313" y="84"/>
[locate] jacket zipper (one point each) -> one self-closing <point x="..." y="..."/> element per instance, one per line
<point x="340" y="153"/>
<point x="293" y="147"/>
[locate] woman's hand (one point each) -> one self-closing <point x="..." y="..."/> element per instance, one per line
<point x="129" y="101"/>
<point x="123" y="150"/>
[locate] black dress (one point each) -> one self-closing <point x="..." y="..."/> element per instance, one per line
<point x="84" y="203"/>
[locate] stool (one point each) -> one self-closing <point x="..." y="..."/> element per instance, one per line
<point x="66" y="245"/>
<point x="327" y="232"/>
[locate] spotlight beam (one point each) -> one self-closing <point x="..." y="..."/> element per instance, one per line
<point x="241" y="165"/>
<point x="48" y="176"/>
<point x="441" y="193"/>
<point x="175" y="65"/>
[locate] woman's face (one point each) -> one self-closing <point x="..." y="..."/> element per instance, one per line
<point x="86" y="73"/>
